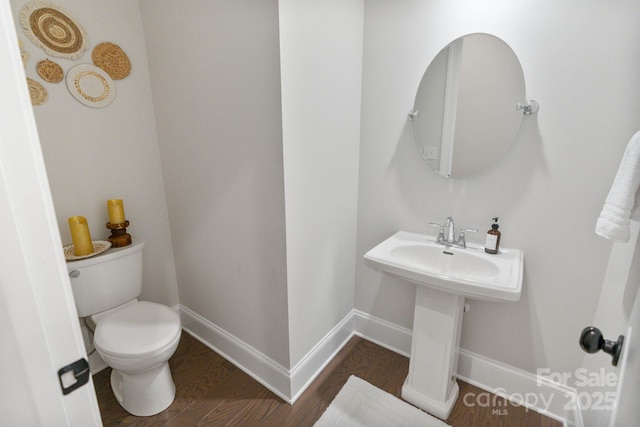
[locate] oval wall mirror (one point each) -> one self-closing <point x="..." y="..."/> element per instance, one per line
<point x="465" y="115"/>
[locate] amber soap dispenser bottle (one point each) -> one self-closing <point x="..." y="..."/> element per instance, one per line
<point x="492" y="242"/>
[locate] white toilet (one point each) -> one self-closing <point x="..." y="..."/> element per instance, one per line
<point x="135" y="338"/>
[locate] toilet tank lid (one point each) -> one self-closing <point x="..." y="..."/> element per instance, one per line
<point x="108" y="255"/>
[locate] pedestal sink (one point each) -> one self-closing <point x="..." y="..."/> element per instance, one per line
<point x="445" y="277"/>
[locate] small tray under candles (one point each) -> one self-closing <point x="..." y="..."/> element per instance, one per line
<point x="99" y="246"/>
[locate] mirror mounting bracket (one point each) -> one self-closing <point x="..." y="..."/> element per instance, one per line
<point x="529" y="107"/>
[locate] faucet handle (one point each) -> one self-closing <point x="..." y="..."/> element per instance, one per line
<point x="461" y="238"/>
<point x="440" y="237"/>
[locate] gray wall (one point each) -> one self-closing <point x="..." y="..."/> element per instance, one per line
<point x="321" y="58"/>
<point x="215" y="72"/>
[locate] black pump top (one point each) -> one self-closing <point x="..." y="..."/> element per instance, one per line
<point x="495" y="224"/>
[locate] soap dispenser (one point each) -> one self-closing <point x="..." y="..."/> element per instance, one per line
<point x="492" y="242"/>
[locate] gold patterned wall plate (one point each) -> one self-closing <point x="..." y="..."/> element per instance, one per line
<point x="37" y="92"/>
<point x="91" y="85"/>
<point x="53" y="30"/>
<point x="24" y="54"/>
<point x="111" y="58"/>
<point x="50" y="71"/>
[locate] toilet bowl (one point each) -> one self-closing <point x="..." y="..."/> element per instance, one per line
<point x="137" y="342"/>
<point x="135" y="338"/>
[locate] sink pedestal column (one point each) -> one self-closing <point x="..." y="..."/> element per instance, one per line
<point x="430" y="384"/>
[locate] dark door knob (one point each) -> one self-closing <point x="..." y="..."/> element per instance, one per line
<point x="592" y="341"/>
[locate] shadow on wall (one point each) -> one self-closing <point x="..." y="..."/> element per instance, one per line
<point x="521" y="325"/>
<point x="397" y="290"/>
<point x="633" y="282"/>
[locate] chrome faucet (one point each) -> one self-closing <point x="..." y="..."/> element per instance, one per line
<point x="450" y="226"/>
<point x="450" y="239"/>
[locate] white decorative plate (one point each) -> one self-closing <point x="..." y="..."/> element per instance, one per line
<point x="91" y="85"/>
<point x="99" y="246"/>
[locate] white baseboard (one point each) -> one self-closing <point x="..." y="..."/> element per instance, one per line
<point x="381" y="332"/>
<point x="519" y="386"/>
<point x="285" y="383"/>
<point x="310" y="366"/>
<point x="256" y="364"/>
<point x="506" y="381"/>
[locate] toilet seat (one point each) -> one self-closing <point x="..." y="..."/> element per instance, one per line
<point x="137" y="330"/>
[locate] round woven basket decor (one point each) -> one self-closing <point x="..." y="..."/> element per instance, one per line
<point x="112" y="59"/>
<point x="52" y="30"/>
<point x="50" y="71"/>
<point x="24" y="54"/>
<point x="37" y="92"/>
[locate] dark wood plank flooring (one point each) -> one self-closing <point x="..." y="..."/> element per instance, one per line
<point x="210" y="391"/>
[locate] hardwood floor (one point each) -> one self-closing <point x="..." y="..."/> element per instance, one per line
<point x="211" y="391"/>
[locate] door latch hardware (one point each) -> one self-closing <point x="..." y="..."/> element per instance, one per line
<point x="592" y="341"/>
<point x="74" y="375"/>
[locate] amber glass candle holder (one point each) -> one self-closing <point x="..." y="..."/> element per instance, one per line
<point x="119" y="236"/>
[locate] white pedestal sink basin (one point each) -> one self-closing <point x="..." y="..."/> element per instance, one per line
<point x="470" y="272"/>
<point x="445" y="276"/>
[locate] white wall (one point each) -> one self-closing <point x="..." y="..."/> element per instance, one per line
<point x="215" y="75"/>
<point x="321" y="66"/>
<point x="93" y="155"/>
<point x="580" y="61"/>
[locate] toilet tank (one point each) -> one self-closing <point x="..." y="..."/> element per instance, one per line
<point x="107" y="280"/>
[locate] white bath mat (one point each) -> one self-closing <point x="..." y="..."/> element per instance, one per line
<point x="360" y="404"/>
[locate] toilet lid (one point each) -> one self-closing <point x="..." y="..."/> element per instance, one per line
<point x="137" y="330"/>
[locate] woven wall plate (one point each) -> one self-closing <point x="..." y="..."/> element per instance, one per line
<point x="37" y="92"/>
<point x="111" y="58"/>
<point x="91" y="85"/>
<point x="24" y="54"/>
<point x="53" y="30"/>
<point x="50" y="71"/>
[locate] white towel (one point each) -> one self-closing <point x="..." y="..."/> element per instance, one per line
<point x="623" y="201"/>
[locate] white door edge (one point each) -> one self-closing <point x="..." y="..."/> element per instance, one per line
<point x="34" y="285"/>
